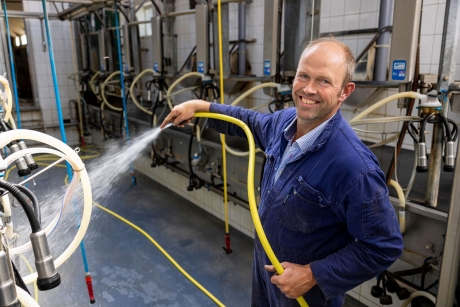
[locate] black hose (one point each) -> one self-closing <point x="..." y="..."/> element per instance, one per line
<point x="34" y="224"/>
<point x="413" y="131"/>
<point x="422" y="128"/>
<point x="33" y="199"/>
<point x="454" y="129"/>
<point x="446" y="126"/>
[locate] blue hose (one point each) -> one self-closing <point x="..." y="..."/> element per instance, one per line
<point x="59" y="108"/>
<point x="122" y="81"/>
<point x="13" y="73"/>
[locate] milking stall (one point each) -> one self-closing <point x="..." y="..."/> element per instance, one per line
<point x="211" y="152"/>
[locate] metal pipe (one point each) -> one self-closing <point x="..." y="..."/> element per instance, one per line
<point x="242" y="38"/>
<point x="134" y="23"/>
<point x="13" y="72"/>
<point x="381" y="55"/>
<point x="180" y="13"/>
<point x="434" y="169"/>
<point x="21" y="14"/>
<point x="447" y="65"/>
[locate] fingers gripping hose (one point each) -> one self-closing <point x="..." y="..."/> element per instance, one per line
<point x="251" y="192"/>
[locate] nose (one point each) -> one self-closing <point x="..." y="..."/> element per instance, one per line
<point x="309" y="87"/>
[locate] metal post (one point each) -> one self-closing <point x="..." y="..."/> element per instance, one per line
<point x="381" y="55"/>
<point x="450" y="262"/>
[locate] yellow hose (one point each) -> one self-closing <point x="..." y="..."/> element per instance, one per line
<point x="384" y="102"/>
<point x="192" y="280"/>
<point x="102" y="88"/>
<point x="251" y="193"/>
<point x="168" y="93"/>
<point x="402" y="205"/>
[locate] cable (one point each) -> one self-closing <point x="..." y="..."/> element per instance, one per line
<point x="32" y="198"/>
<point x="29" y="211"/>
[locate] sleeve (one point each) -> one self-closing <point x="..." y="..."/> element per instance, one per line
<point x="260" y="124"/>
<point x="377" y="243"/>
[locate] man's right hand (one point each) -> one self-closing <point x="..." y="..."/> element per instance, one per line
<point x="183" y="114"/>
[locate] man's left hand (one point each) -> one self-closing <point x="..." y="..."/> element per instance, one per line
<point x="295" y="281"/>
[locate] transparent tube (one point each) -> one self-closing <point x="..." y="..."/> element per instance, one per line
<point x="104" y="99"/>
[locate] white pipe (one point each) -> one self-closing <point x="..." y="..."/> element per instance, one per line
<point x="102" y="88"/>
<point x="252" y="90"/>
<point x="387" y="100"/>
<point x="8" y="104"/>
<point x="418" y="293"/>
<point x="402" y="205"/>
<point x="92" y="86"/>
<point x="382" y="120"/>
<point x="25" y="299"/>
<point x="78" y="166"/>
<point x="168" y="93"/>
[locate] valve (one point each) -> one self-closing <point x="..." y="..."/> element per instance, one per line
<point x="422" y="161"/>
<point x="48" y="278"/>
<point x="8" y="296"/>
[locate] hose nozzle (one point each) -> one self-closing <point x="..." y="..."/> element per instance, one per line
<point x="449" y="157"/>
<point x="48" y="278"/>
<point x="21" y="163"/>
<point x="422" y="162"/>
<point x="8" y="296"/>
<point x="28" y="157"/>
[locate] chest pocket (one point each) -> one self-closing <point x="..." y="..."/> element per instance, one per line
<point x="303" y="208"/>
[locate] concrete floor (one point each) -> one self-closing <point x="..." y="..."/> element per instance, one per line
<point x="128" y="270"/>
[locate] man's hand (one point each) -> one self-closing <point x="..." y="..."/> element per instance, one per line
<point x="182" y="114"/>
<point x="295" y="281"/>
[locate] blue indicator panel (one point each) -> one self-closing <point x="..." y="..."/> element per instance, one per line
<point x="398" y="70"/>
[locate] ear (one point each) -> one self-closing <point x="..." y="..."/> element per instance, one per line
<point x="346" y="91"/>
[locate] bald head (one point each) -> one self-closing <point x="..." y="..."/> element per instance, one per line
<point x="348" y="59"/>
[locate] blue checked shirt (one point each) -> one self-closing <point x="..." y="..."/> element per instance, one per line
<point x="295" y="150"/>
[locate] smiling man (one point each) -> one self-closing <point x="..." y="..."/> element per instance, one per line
<point x="324" y="201"/>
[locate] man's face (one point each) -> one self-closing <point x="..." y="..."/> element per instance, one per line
<point x="318" y="89"/>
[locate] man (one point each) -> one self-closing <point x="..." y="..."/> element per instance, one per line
<point x="324" y="201"/>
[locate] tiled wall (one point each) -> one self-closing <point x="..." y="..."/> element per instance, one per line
<point x="39" y="62"/>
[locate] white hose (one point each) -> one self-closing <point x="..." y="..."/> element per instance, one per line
<point x="77" y="166"/>
<point x="237" y="101"/>
<point x="25" y="299"/>
<point x="68" y="195"/>
<point x="102" y="88"/>
<point x="8" y="104"/>
<point x="385" y="101"/>
<point x="418" y="293"/>
<point x="382" y="120"/>
<point x="252" y="90"/>
<point x="402" y="205"/>
<point x="131" y="90"/>
<point x="92" y="86"/>
<point x="168" y="93"/>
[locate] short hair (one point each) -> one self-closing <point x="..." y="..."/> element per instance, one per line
<point x="350" y="62"/>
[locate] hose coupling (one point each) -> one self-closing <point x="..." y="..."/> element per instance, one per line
<point x="449" y="159"/>
<point x="8" y="296"/>
<point x="48" y="278"/>
<point x="422" y="161"/>
<point x="28" y="157"/>
<point x="21" y="163"/>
